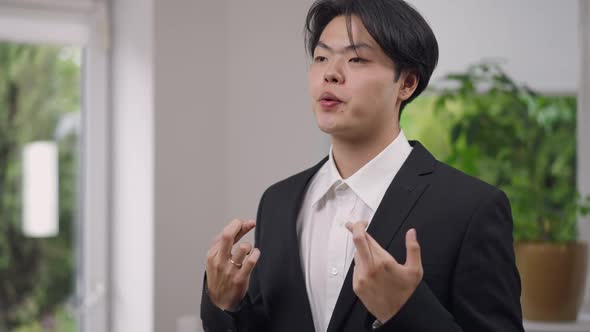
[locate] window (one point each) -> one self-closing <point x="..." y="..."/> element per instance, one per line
<point x="55" y="143"/>
<point x="40" y="104"/>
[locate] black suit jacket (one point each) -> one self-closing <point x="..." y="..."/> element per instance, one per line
<point x="464" y="227"/>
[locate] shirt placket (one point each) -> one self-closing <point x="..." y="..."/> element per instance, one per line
<point x="337" y="247"/>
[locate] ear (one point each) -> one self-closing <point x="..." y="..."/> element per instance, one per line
<point x="408" y="84"/>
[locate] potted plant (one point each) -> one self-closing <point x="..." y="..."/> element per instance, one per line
<point x="523" y="143"/>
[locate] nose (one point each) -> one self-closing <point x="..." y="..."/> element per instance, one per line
<point x="333" y="74"/>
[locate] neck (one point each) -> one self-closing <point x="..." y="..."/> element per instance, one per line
<point x="350" y="155"/>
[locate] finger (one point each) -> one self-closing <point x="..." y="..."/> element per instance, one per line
<point x="220" y="242"/>
<point x="350" y="225"/>
<point x="228" y="238"/>
<point x="413" y="256"/>
<point x="247" y="226"/>
<point x="241" y="252"/>
<point x="249" y="263"/>
<point x="360" y="242"/>
<point x="359" y="263"/>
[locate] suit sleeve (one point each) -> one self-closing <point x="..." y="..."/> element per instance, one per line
<point x="485" y="286"/>
<point x="250" y="315"/>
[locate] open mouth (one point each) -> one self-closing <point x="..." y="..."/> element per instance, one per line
<point x="327" y="103"/>
<point x="329" y="100"/>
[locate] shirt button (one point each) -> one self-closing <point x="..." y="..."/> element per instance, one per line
<point x="334" y="271"/>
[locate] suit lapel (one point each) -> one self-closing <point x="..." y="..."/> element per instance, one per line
<point x="399" y="199"/>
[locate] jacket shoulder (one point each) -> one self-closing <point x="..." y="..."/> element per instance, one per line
<point x="463" y="184"/>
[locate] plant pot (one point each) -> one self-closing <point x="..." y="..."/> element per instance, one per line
<point x="553" y="278"/>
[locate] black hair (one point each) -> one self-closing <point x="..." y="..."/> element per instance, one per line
<point x="397" y="27"/>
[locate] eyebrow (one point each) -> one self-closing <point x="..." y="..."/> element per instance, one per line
<point x="352" y="47"/>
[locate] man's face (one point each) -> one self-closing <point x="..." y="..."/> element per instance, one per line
<point x="364" y="83"/>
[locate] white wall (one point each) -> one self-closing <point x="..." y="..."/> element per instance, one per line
<point x="537" y="38"/>
<point x="271" y="132"/>
<point x="190" y="102"/>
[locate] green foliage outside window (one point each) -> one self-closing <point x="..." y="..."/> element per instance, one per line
<point x="38" y="85"/>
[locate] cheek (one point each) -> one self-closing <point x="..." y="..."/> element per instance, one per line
<point x="374" y="101"/>
<point x="369" y="95"/>
<point x="380" y="93"/>
<point x="314" y="83"/>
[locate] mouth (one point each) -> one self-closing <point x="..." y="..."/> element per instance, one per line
<point x="328" y="100"/>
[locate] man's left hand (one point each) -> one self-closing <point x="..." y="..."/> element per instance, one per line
<point x="380" y="282"/>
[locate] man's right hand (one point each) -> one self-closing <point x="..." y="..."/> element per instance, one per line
<point x="228" y="275"/>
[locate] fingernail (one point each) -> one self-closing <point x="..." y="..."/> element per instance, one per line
<point x="412" y="234"/>
<point x="348" y="225"/>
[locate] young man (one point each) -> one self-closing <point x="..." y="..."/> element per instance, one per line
<point x="336" y="246"/>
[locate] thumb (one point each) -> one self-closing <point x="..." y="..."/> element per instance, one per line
<point x="413" y="256"/>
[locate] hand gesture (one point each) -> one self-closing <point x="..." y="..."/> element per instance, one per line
<point x="228" y="275"/>
<point x="380" y="282"/>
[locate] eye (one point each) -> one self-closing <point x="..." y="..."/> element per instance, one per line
<point x="319" y="58"/>
<point x="358" y="60"/>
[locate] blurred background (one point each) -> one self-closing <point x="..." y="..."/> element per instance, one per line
<point x="132" y="131"/>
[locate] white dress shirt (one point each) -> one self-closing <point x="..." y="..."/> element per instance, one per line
<point x="326" y="246"/>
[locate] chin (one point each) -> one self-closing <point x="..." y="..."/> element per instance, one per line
<point x="332" y="129"/>
<point x="329" y="131"/>
<point x="338" y="130"/>
<point x="326" y="123"/>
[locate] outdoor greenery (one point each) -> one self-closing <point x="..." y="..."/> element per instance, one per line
<point x="484" y="123"/>
<point x="38" y="85"/>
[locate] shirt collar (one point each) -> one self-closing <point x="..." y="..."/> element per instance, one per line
<point x="371" y="181"/>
